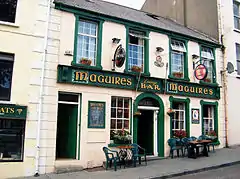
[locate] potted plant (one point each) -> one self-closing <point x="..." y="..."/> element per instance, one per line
<point x="212" y="135"/>
<point x="207" y="80"/>
<point x="136" y="68"/>
<point x="122" y="137"/>
<point x="178" y="74"/>
<point x="170" y="112"/>
<point x="112" y="134"/>
<point x="179" y="134"/>
<point x="85" y="61"/>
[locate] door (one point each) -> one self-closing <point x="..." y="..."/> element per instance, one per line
<point x="67" y="131"/>
<point x="145" y="131"/>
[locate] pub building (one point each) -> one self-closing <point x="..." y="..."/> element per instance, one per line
<point x="120" y="68"/>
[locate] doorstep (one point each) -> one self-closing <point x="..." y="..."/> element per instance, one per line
<point x="68" y="165"/>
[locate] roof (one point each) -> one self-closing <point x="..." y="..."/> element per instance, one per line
<point x="126" y="13"/>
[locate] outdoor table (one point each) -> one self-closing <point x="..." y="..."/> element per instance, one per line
<point x="125" y="153"/>
<point x="193" y="145"/>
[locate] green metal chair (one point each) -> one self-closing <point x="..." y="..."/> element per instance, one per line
<point x="137" y="153"/>
<point x="185" y="143"/>
<point x="111" y="158"/>
<point x="172" y="142"/>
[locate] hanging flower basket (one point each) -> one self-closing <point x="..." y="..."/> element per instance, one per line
<point x="136" y="69"/>
<point x="85" y="61"/>
<point x="170" y="112"/>
<point x="178" y="74"/>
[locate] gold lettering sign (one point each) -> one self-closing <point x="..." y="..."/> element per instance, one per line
<point x="81" y="76"/>
<point x="152" y="85"/>
<point x="7" y="110"/>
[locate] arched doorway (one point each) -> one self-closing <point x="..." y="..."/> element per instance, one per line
<point x="148" y="128"/>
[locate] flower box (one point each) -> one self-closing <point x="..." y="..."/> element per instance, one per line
<point x="121" y="137"/>
<point x="85" y="61"/>
<point x="136" y="69"/>
<point x="178" y="74"/>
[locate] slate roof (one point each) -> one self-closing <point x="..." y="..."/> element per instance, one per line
<point x="115" y="10"/>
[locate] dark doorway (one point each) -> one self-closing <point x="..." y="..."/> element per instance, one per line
<point x="67" y="131"/>
<point x="145" y="131"/>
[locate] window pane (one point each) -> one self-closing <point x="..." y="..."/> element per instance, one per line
<point x="114" y="102"/>
<point x="120" y="102"/>
<point x="67" y="97"/>
<point x="119" y="124"/>
<point x="126" y="113"/>
<point x="126" y="124"/>
<point x="119" y="113"/>
<point x="8" y="10"/>
<point x="12" y="139"/>
<point x="113" y="112"/>
<point x="126" y="103"/>
<point x="6" y="69"/>
<point x="113" y="124"/>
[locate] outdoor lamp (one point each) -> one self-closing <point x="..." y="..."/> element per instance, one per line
<point x="116" y="40"/>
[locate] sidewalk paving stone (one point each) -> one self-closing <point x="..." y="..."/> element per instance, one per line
<point x="159" y="168"/>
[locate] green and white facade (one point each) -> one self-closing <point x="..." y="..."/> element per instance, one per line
<point x="69" y="132"/>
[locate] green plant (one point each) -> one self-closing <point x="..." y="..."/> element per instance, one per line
<point x="178" y="74"/>
<point x="85" y="61"/>
<point x="121" y="136"/>
<point x="180" y="134"/>
<point x="136" y="68"/>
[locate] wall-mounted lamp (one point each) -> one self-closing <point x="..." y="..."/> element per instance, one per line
<point x="116" y="40"/>
<point x="159" y="49"/>
<point x="195" y="57"/>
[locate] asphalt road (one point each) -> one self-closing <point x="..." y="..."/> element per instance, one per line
<point x="232" y="172"/>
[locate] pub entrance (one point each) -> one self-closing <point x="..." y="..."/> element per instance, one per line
<point x="147" y="125"/>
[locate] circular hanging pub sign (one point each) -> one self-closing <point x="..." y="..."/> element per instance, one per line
<point x="119" y="56"/>
<point x="200" y="72"/>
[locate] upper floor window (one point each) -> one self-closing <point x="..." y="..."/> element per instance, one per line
<point x="207" y="59"/>
<point x="6" y="70"/>
<point x="178" y="53"/>
<point x="236" y="12"/>
<point x="8" y="10"/>
<point x="87" y="43"/>
<point x="238" y="58"/>
<point x="136" y="51"/>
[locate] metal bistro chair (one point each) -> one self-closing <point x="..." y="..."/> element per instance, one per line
<point x="137" y="153"/>
<point x="212" y="144"/>
<point x="111" y="158"/>
<point x="185" y="143"/>
<point x="172" y="142"/>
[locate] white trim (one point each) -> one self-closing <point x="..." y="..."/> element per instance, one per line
<point x="155" y="132"/>
<point x="9" y="24"/>
<point x="78" y="126"/>
<point x="148" y="108"/>
<point x="65" y="102"/>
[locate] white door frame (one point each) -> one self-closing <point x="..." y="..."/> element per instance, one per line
<point x="155" y="132"/>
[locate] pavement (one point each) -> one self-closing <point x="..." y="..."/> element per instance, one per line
<point x="231" y="172"/>
<point x="157" y="169"/>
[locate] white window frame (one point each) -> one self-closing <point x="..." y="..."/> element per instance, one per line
<point x="116" y="118"/>
<point x="238" y="57"/>
<point x="210" y="110"/>
<point x="207" y="58"/>
<point x="178" y="47"/>
<point x="94" y="62"/>
<point x="179" y="120"/>
<point x="236" y="16"/>
<point x="140" y="37"/>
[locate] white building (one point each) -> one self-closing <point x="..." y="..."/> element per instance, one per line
<point x="80" y="104"/>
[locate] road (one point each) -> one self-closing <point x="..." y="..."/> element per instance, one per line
<point x="232" y="172"/>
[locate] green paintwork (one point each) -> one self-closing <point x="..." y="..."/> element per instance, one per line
<point x="99" y="42"/>
<point x="215" y="104"/>
<point x="67" y="131"/>
<point x="137" y="25"/>
<point x="104" y="114"/>
<point x="193" y="89"/>
<point x="186" y="77"/>
<point x="187" y="111"/>
<point x="13" y="111"/>
<point x="160" y="122"/>
<point x="67" y="74"/>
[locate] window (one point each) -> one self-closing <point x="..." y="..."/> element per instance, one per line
<point x="11" y="139"/>
<point x="6" y="70"/>
<point x="207" y="58"/>
<point x="87" y="42"/>
<point x="136" y="51"/>
<point x="208" y="119"/>
<point x="178" y="53"/>
<point x="120" y="113"/>
<point x="236" y="12"/>
<point x="178" y="120"/>
<point x="8" y="10"/>
<point x="238" y="58"/>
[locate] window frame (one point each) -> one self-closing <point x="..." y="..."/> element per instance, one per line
<point x="99" y="23"/>
<point x="186" y="101"/>
<point x="8" y="59"/>
<point x="236" y="16"/>
<point x="185" y="59"/>
<point x="179" y="120"/>
<point x="215" y="105"/>
<point x="145" y="71"/>
<point x="208" y="118"/>
<point x="15" y="18"/>
<point x="237" y="46"/>
<point x="214" y="74"/>
<point x="122" y="119"/>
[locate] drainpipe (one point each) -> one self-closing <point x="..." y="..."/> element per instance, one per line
<point x="41" y="92"/>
